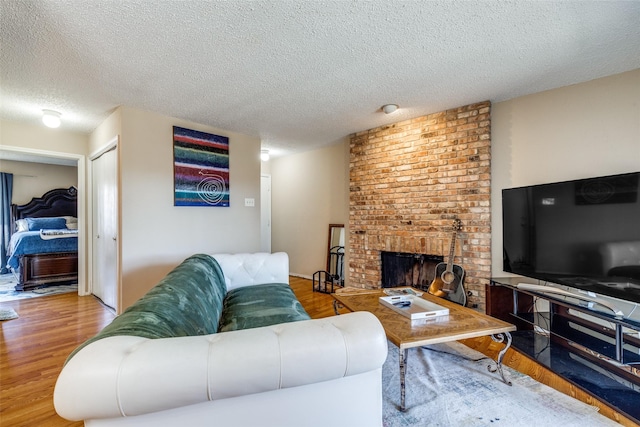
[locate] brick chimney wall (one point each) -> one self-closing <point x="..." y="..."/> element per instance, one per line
<point x="408" y="181"/>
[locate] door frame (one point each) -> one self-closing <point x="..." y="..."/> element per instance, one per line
<point x="113" y="144"/>
<point x="80" y="159"/>
<point x="265" y="214"/>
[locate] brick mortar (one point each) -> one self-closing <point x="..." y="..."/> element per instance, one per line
<point x="408" y="181"/>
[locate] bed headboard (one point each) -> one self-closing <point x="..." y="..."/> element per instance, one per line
<point x="56" y="202"/>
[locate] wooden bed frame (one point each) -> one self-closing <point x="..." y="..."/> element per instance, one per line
<point x="38" y="270"/>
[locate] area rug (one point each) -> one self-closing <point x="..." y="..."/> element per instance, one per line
<point x="8" y="292"/>
<point x="8" y="313"/>
<point x="449" y="385"/>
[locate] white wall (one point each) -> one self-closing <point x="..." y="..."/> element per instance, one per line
<point x="109" y="129"/>
<point x="34" y="179"/>
<point x="41" y="139"/>
<point x="309" y="192"/>
<point x="584" y="130"/>
<point x="156" y="235"/>
<point x="36" y="139"/>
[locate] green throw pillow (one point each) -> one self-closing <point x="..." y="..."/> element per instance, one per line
<point x="260" y="305"/>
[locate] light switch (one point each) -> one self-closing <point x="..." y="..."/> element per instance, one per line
<point x="250" y="202"/>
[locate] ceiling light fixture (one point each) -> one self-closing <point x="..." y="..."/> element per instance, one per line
<point x="51" y="118"/>
<point x="389" y="108"/>
<point x="264" y="155"/>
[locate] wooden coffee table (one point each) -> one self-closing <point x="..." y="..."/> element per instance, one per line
<point x="460" y="323"/>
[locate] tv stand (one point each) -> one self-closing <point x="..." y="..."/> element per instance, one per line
<point x="582" y="338"/>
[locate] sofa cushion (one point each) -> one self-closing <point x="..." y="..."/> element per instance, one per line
<point x="187" y="301"/>
<point x="248" y="269"/>
<point x="260" y="305"/>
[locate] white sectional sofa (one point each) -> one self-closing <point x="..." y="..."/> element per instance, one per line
<point x="149" y="368"/>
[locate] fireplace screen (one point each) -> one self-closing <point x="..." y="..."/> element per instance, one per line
<point x="406" y="269"/>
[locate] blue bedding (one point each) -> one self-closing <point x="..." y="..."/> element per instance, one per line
<point x="29" y="242"/>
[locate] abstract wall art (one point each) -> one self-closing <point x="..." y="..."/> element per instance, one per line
<point x="201" y="168"/>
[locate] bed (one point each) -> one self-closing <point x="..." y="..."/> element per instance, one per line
<point x="44" y="244"/>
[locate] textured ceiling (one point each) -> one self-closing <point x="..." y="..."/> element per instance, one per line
<point x="299" y="74"/>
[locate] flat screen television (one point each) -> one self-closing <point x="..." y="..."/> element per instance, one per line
<point x="583" y="233"/>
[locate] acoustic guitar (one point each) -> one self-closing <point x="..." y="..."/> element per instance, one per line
<point x="448" y="279"/>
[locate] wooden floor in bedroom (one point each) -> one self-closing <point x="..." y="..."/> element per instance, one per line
<point x="34" y="347"/>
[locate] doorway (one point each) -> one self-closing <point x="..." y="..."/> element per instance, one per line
<point x="69" y="159"/>
<point x="265" y="213"/>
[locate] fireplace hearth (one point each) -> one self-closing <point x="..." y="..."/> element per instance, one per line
<point x="408" y="269"/>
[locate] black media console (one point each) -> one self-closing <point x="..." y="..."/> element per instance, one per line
<point x="591" y="345"/>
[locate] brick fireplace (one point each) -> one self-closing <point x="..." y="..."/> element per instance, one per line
<point x="408" y="181"/>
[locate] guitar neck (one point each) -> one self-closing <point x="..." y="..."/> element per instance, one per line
<point x="451" y="250"/>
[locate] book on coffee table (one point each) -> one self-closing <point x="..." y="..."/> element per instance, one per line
<point x="414" y="307"/>
<point x="402" y="291"/>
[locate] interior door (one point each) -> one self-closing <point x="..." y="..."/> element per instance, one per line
<point x="265" y="213"/>
<point x="105" y="228"/>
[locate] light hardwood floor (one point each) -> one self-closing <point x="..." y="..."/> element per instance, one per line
<point x="33" y="349"/>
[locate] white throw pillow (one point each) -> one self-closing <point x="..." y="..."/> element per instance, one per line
<point x="21" y="225"/>
<point x="72" y="222"/>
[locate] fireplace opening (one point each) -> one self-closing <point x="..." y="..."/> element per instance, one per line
<point x="407" y="269"/>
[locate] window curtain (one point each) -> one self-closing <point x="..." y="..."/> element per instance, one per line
<point x="6" y="193"/>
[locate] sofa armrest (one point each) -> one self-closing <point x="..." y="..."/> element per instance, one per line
<point x="126" y="376"/>
<point x="246" y="269"/>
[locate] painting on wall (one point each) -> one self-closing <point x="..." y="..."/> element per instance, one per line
<point x="200" y="168"/>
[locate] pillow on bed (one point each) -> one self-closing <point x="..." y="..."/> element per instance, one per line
<point x="21" y="225"/>
<point x="54" y="223"/>
<point x="72" y="222"/>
